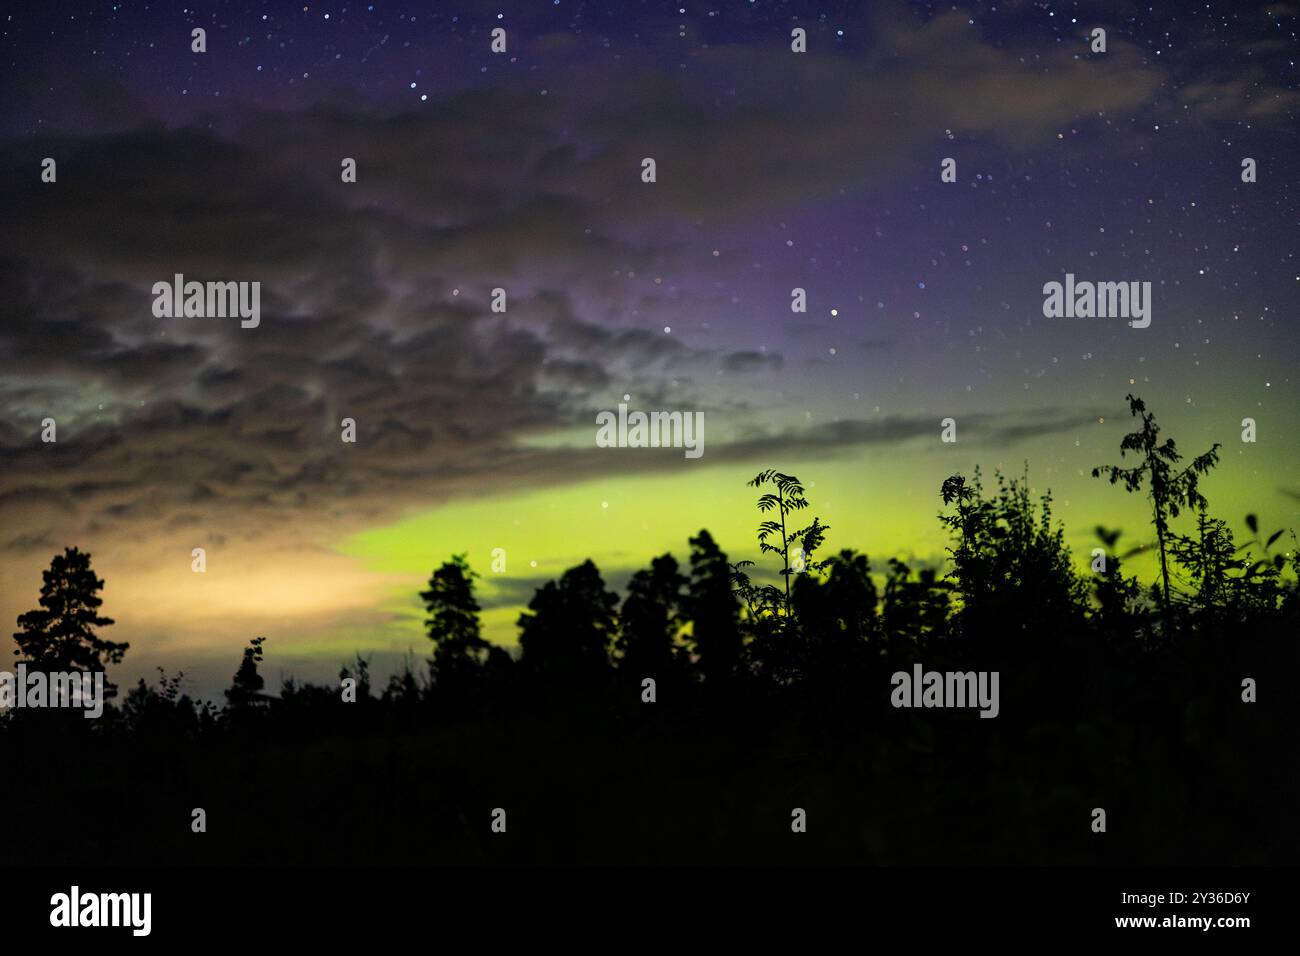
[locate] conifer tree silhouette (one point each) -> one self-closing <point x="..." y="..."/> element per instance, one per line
<point x="568" y="631"/>
<point x="60" y="636"/>
<point x="653" y="613"/>
<point x="716" y="639"/>
<point x="246" y="688"/>
<point x="453" y="623"/>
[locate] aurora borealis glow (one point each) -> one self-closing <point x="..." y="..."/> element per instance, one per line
<point x="521" y="171"/>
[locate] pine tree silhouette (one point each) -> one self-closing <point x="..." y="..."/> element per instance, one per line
<point x="246" y="688"/>
<point x="453" y="624"/>
<point x="60" y="636"/>
<point x="652" y="616"/>
<point x="568" y="631"/>
<point x="715" y="639"/>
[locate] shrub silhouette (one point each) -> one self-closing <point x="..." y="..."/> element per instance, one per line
<point x="1010" y="565"/>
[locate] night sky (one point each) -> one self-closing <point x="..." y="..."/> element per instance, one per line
<point x="522" y="170"/>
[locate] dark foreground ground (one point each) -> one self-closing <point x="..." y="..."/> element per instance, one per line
<point x="1186" y="771"/>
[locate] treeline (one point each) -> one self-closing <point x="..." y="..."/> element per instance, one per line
<point x="689" y="718"/>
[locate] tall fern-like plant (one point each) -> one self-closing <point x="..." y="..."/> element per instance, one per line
<point x="1171" y="489"/>
<point x="785" y="499"/>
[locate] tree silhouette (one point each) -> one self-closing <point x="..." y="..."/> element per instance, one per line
<point x="569" y="628"/>
<point x="715" y="640"/>
<point x="453" y="623"/>
<point x="362" y="677"/>
<point x="166" y="712"/>
<point x="836" y="618"/>
<point x="914" y="611"/>
<point x="793" y="694"/>
<point x="1170" y="490"/>
<point x="842" y="607"/>
<point x="246" y="688"/>
<point x="652" y="616"/>
<point x="60" y="636"/>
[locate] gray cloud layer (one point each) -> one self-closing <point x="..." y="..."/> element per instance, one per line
<point x="374" y="295"/>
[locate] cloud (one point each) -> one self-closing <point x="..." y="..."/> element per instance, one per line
<point x="375" y="294"/>
<point x="170" y="416"/>
<point x="987" y="429"/>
